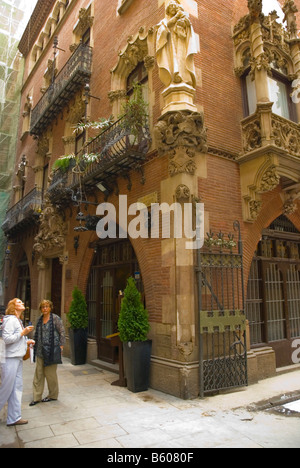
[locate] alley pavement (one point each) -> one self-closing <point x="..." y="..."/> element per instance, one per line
<point x="91" y="413"/>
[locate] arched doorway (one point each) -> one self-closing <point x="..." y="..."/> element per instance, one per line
<point x="113" y="263"/>
<point x="273" y="294"/>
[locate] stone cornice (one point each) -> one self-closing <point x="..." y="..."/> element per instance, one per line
<point x="35" y="24"/>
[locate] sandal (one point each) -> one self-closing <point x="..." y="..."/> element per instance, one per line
<point x="46" y="400"/>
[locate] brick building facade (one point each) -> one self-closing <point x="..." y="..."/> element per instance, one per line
<point x="223" y="130"/>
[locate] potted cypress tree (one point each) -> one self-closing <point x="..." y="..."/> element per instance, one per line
<point x="134" y="326"/>
<point x="78" y="321"/>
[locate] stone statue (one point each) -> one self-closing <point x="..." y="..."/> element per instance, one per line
<point x="52" y="233"/>
<point x="176" y="46"/>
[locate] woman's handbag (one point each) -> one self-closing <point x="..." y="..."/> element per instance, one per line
<point x="27" y="355"/>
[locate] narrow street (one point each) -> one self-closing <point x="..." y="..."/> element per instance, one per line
<point x="90" y="413"/>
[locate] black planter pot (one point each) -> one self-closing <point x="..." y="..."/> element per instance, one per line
<point x="137" y="357"/>
<point x="78" y="345"/>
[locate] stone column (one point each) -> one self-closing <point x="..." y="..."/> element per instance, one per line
<point x="290" y="11"/>
<point x="260" y="64"/>
<point x="181" y="137"/>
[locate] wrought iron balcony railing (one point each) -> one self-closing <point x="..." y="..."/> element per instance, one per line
<point x="116" y="151"/>
<point x="23" y="213"/>
<point x="74" y="75"/>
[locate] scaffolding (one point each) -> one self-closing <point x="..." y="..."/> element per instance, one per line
<point x="14" y="15"/>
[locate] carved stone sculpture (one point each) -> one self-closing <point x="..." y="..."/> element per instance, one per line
<point x="176" y="46"/>
<point x="182" y="135"/>
<point x="52" y="233"/>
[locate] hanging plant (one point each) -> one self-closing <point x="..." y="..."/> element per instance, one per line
<point x="82" y="160"/>
<point x="135" y="112"/>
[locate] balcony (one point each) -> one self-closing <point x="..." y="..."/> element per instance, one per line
<point x="72" y="77"/>
<point x="117" y="150"/>
<point x="24" y="213"/>
<point x="270" y="156"/>
<point x="261" y="130"/>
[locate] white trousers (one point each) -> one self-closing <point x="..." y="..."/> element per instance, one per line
<point x="12" y="388"/>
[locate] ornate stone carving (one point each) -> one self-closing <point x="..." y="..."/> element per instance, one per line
<point x="77" y="111"/>
<point x="52" y="233"/>
<point x="176" y="46"/>
<point x="255" y="207"/>
<point x="286" y="134"/>
<point x="182" y="192"/>
<point x="85" y="20"/>
<point x="28" y="106"/>
<point x="251" y="135"/>
<point x="255" y="8"/>
<point x="182" y="161"/>
<point x="43" y="146"/>
<point x="149" y="62"/>
<point x="290" y="11"/>
<point x="289" y="207"/>
<point x="181" y="134"/>
<point x="181" y="129"/>
<point x="115" y="95"/>
<point x="270" y="180"/>
<point x="134" y="53"/>
<point x="260" y="63"/>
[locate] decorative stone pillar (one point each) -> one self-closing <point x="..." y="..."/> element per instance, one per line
<point x="181" y="137"/>
<point x="290" y="11"/>
<point x="260" y="66"/>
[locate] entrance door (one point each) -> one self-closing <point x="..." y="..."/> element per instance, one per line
<point x="113" y="265"/>
<point x="56" y="285"/>
<point x="112" y="284"/>
<point x="106" y="316"/>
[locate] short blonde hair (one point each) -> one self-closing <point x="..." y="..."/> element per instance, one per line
<point x="46" y="302"/>
<point x="11" y="307"/>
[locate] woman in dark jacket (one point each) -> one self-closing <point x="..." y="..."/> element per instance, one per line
<point x="49" y="343"/>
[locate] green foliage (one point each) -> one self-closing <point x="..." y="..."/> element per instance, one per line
<point x="135" y="111"/>
<point x="63" y="163"/>
<point x="101" y="124"/>
<point x="78" y="314"/>
<point x="133" y="321"/>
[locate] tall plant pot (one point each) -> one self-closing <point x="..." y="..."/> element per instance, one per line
<point x="137" y="357"/>
<point x="78" y="345"/>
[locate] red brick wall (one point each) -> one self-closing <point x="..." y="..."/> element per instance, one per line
<point x="221" y="98"/>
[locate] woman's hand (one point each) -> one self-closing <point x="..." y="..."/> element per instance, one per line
<point x="31" y="342"/>
<point x="27" y="330"/>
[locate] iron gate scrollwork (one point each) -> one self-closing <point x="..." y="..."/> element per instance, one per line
<point x="222" y="321"/>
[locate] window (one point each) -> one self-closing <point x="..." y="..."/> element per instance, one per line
<point x="138" y="76"/>
<point x="279" y="93"/>
<point x="79" y="142"/>
<point x="86" y="37"/>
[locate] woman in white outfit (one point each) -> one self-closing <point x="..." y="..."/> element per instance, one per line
<point x="15" y="338"/>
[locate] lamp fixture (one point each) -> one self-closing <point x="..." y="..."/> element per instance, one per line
<point x="102" y="188"/>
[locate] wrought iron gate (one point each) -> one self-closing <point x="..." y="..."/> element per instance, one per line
<point x="222" y="321"/>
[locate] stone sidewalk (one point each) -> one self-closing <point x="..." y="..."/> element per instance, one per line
<point x="90" y="413"/>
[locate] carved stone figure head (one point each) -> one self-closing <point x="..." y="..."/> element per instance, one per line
<point x="173" y="7"/>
